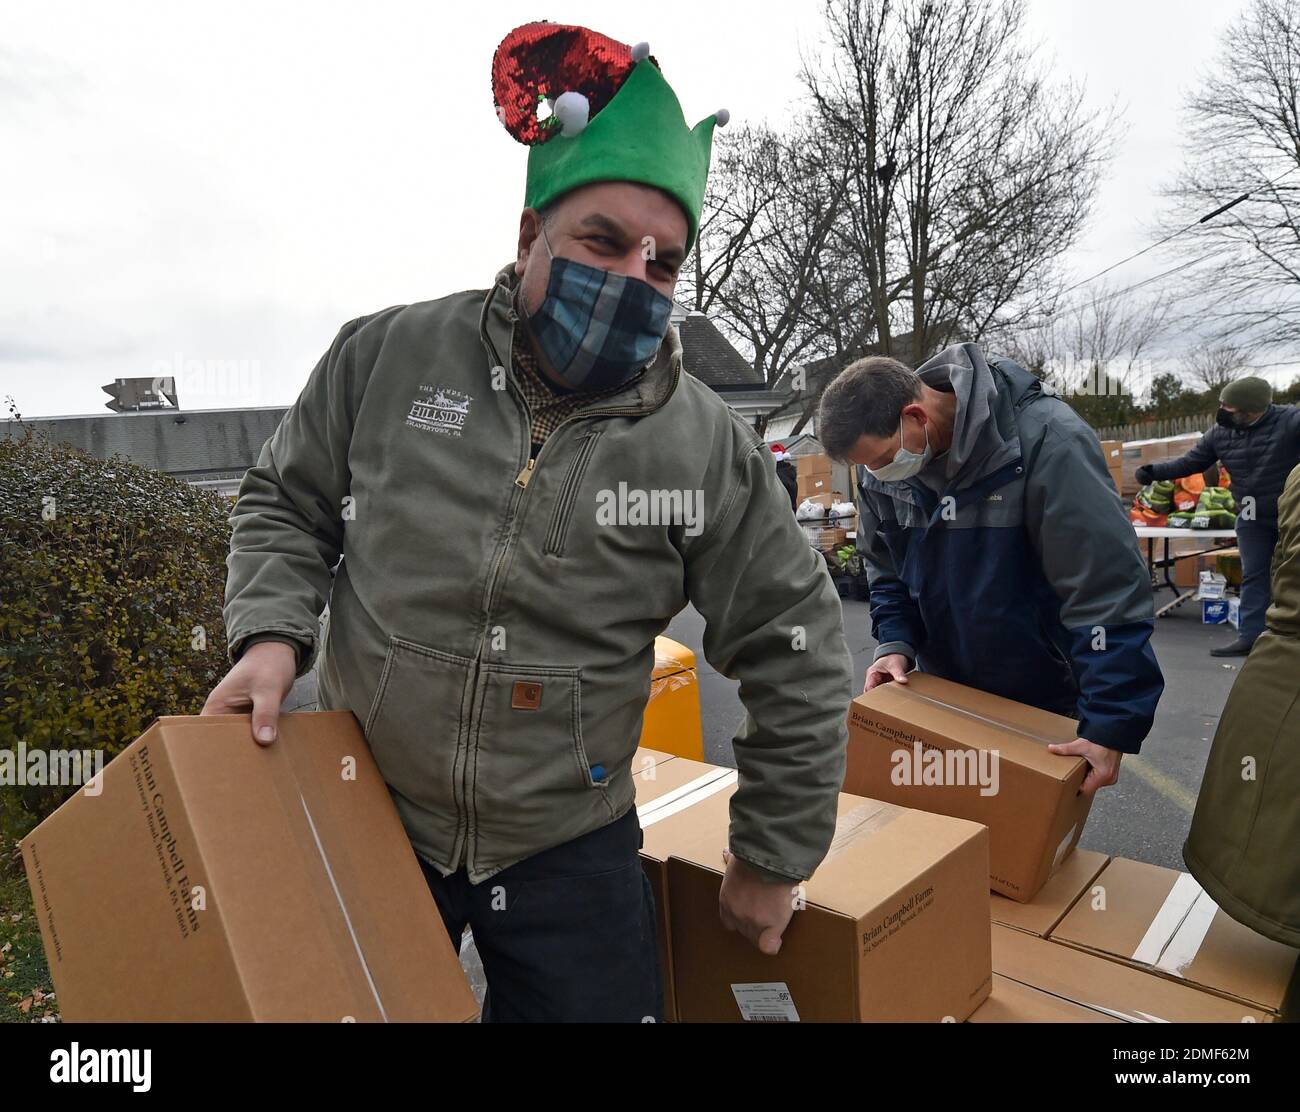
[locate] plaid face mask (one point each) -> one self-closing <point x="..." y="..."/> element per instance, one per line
<point x="596" y="328"/>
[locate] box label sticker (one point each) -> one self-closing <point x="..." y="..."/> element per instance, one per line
<point x="1066" y="842"/>
<point x="765" y="1002"/>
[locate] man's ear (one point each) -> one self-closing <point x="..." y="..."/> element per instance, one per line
<point x="917" y="410"/>
<point x="530" y="227"/>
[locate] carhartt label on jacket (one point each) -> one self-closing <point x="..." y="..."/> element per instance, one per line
<point x="439" y="409"/>
<point x="632" y="506"/>
<point x="526" y="696"/>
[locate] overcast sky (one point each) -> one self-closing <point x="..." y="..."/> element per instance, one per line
<point x="223" y="186"/>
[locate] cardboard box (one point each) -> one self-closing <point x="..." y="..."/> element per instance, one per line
<point x="1187" y="572"/>
<point x="1214" y="611"/>
<point x="892" y="927"/>
<point x="1211" y="585"/>
<point x="1234" y="613"/>
<point x="1071" y="880"/>
<point x="214" y="879"/>
<point x="677" y="804"/>
<point x="946" y="748"/>
<point x="1112" y="452"/>
<point x="813" y="465"/>
<point x="1134" y="454"/>
<point x="814" y="485"/>
<point x="1120" y="991"/>
<point x="646" y="762"/>
<point x="1162" y="921"/>
<point x="1012" y="1002"/>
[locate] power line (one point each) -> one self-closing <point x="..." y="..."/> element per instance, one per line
<point x="1161" y="242"/>
<point x="1146" y="281"/>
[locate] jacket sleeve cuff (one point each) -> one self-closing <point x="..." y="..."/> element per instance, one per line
<point x="769" y="875"/>
<point x="305" y="651"/>
<point x="1125" y="737"/>
<point x="889" y="648"/>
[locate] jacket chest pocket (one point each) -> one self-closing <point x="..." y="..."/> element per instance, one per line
<point x="558" y="531"/>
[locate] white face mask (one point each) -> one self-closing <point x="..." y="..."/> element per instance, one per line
<point x="905" y="463"/>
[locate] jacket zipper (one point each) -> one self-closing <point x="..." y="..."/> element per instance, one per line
<point x="522" y="480"/>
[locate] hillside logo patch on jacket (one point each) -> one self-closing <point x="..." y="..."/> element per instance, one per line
<point x="439" y="409"/>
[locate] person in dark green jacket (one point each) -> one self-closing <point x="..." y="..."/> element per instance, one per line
<point x="1244" y="844"/>
<point x="525" y="487"/>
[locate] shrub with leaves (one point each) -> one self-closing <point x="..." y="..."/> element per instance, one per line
<point x="110" y="604"/>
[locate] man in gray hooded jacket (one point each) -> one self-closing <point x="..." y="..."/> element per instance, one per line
<point x="998" y="552"/>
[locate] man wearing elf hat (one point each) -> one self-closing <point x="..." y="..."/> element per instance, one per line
<point x="1259" y="444"/>
<point x="526" y="487"/>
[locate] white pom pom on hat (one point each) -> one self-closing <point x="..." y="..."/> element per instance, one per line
<point x="722" y="116"/>
<point x="573" y="111"/>
<point x="641" y="52"/>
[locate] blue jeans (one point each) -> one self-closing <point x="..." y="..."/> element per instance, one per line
<point x="1255" y="541"/>
<point x="565" y="935"/>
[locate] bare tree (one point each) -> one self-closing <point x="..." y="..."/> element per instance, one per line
<point x="1244" y="139"/>
<point x="968" y="172"/>
<point x="763" y="269"/>
<point x="1212" y="366"/>
<point x="1100" y="344"/>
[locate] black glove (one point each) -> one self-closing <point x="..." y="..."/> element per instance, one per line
<point x="1143" y="474"/>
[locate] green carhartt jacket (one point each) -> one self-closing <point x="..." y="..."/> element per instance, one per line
<point x="493" y="619"/>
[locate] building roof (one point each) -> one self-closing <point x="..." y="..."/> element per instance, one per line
<point x="187" y="443"/>
<point x="708" y="355"/>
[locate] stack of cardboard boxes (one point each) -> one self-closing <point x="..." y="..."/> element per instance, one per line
<point x="1113" y="452"/>
<point x="1077" y="936"/>
<point x="212" y="879"/>
<point x="1135" y="453"/>
<point x="826" y="484"/>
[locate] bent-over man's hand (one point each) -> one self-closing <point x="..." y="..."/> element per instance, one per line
<point x="888" y="669"/>
<point x="1103" y="763"/>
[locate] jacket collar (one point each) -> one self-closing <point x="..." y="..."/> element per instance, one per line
<point x="497" y="322"/>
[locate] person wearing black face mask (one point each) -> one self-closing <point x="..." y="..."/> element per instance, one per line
<point x="1259" y="444"/>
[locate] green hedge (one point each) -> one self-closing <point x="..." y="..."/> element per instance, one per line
<point x="110" y="604"/>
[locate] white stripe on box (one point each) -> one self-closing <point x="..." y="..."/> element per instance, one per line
<point x="710" y="783"/>
<point x="1167" y="920"/>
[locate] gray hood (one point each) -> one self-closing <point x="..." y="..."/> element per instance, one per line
<point x="984" y="433"/>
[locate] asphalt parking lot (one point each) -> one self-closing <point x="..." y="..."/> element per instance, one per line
<point x="1145" y="815"/>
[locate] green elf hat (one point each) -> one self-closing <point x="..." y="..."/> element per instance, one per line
<point x="610" y="116"/>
